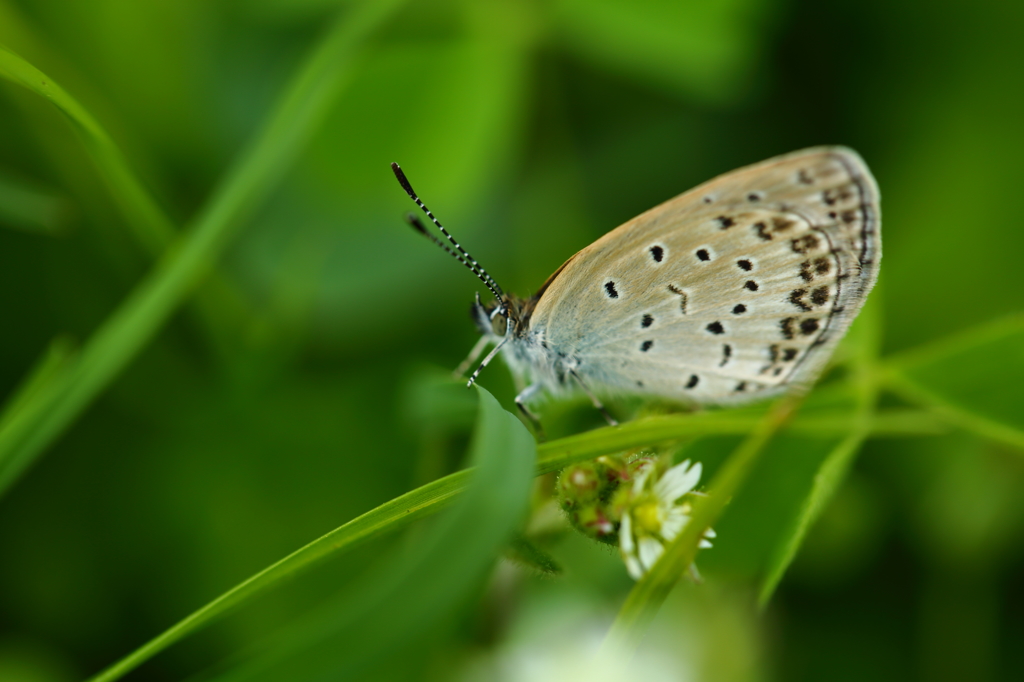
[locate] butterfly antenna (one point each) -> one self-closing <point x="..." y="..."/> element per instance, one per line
<point x="418" y="225"/>
<point x="465" y="258"/>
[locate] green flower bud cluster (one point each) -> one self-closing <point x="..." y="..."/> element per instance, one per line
<point x="594" y="494"/>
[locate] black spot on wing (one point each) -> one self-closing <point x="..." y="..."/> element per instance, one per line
<point x="647" y="321"/>
<point x="836" y="194"/>
<point x="610" y="289"/>
<point x="745" y="264"/>
<point x="682" y="295"/>
<point x="694" y="380"/>
<point x="796" y="297"/>
<point x="716" y="328"/>
<point x="739" y="309"/>
<point x="646" y="346"/>
<point x="657" y="253"/>
<point x="702" y="254"/>
<point x="820" y="266"/>
<point x="806" y="243"/>
<point x="781" y="224"/>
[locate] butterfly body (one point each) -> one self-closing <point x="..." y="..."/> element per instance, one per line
<point x="736" y="290"/>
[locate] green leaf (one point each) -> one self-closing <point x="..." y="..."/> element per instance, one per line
<point x="44" y="417"/>
<point x="974" y="379"/>
<point x="422" y="587"/>
<point x="523" y="551"/>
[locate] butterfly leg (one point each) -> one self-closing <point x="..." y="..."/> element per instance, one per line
<point x="493" y="353"/>
<point x="461" y="370"/>
<point x="593" y="398"/>
<point x="521" y="399"/>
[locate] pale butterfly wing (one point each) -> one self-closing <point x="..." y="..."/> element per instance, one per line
<point x="737" y="289"/>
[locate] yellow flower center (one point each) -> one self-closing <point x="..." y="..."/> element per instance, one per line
<point x="647" y="517"/>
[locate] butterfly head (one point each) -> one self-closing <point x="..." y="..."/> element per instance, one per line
<point x="505" y="319"/>
<point x="495" y="319"/>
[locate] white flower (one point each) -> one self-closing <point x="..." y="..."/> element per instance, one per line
<point x="656" y="513"/>
<point x="563" y="640"/>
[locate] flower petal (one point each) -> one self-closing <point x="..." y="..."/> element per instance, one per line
<point x="642" y="473"/>
<point x="650" y="550"/>
<point x="626" y="535"/>
<point x="673" y="524"/>
<point x="636" y="571"/>
<point x="678" y="481"/>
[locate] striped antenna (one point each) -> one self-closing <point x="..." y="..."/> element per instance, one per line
<point x="418" y="225"/>
<point x="464" y="258"/>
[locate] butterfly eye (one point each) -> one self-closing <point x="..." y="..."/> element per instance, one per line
<point x="499" y="324"/>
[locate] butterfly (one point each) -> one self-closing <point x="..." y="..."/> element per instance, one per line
<point x="736" y="290"/>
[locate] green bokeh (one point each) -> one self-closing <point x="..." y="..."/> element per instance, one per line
<point x="298" y="387"/>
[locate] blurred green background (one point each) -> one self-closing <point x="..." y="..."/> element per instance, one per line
<point x="297" y="387"/>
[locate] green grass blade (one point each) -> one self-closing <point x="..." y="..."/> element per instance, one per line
<point x="134" y="323"/>
<point x="647" y="596"/>
<point x="150" y="225"/>
<point x="390" y="516"/>
<point x="220" y="306"/>
<point x="422" y="587"/>
<point x="435" y="496"/>
<point x="416" y="504"/>
<point x="33" y="209"/>
<point x="866" y="337"/>
<point x="524" y="552"/>
<point x="558" y="454"/>
<point x="944" y="348"/>
<point x="55" y="361"/>
<point x="963" y="417"/>
<point x="974" y="379"/>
